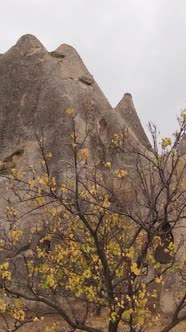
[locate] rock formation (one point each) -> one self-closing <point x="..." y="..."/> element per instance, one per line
<point x="127" y="110"/>
<point x="36" y="89"/>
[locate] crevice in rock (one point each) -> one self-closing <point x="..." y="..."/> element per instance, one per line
<point x="86" y="79"/>
<point x="9" y="162"/>
<point x="57" y="55"/>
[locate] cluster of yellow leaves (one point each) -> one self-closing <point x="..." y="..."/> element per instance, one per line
<point x="159" y="279"/>
<point x="130" y="252"/>
<point x="70" y="111"/>
<point x="43" y="180"/>
<point x="121" y="173"/>
<point x="5" y="274"/>
<point x="108" y="164"/>
<point x="31" y="183"/>
<point x="134" y="269"/>
<point x="17" y="310"/>
<point x="15" y="235"/>
<point x="19" y="314"/>
<point x="166" y="142"/>
<point x="51" y="280"/>
<point x="71" y="264"/>
<point x="127" y="314"/>
<point x="64" y="188"/>
<point x="16" y="174"/>
<point x="137" y="311"/>
<point x="40" y="201"/>
<point x="52" y="183"/>
<point x="105" y="201"/>
<point x="49" y="155"/>
<point x="3" y="306"/>
<point x="83" y="154"/>
<point x="171" y="247"/>
<point x="113" y="316"/>
<point x="118" y="140"/>
<point x="11" y="211"/>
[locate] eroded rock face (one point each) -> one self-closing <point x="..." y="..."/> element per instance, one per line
<point x="182" y="146"/>
<point x="37" y="87"/>
<point x="128" y="112"/>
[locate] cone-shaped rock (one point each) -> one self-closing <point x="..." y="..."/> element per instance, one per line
<point x="128" y="112"/>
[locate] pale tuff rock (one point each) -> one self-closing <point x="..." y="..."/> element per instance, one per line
<point x="127" y="110"/>
<point x="37" y="87"/>
<point x="28" y="45"/>
<point x="182" y="146"/>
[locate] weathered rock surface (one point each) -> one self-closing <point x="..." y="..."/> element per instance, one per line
<point x="127" y="110"/>
<point x="182" y="146"/>
<point x="37" y="87"/>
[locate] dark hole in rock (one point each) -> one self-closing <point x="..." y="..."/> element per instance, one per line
<point x="162" y="253"/>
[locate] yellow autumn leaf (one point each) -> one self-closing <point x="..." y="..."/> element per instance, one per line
<point x="121" y="173"/>
<point x="4" y="273"/>
<point x="127" y="313"/>
<point x="36" y="319"/>
<point x="130" y="253"/>
<point x="2" y="306"/>
<point x="165" y="142"/>
<point x="106" y="202"/>
<point x="108" y="164"/>
<point x="16" y="234"/>
<point x="31" y="184"/>
<point x="4" y="266"/>
<point x="140" y="320"/>
<point x="70" y="111"/>
<point x="158" y="280"/>
<point x="171" y="246"/>
<point x="113" y="316"/>
<point x="87" y="273"/>
<point x="19" y="315"/>
<point x="64" y="188"/>
<point x="83" y="154"/>
<point x="135" y="269"/>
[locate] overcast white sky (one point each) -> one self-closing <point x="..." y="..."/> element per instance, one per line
<point x="135" y="46"/>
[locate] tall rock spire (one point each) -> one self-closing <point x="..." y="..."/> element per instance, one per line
<point x="127" y="110"/>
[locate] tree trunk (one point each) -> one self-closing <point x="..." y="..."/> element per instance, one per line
<point x="113" y="326"/>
